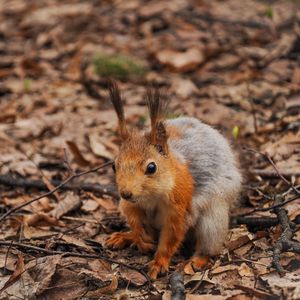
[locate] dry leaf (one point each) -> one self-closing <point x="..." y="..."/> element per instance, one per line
<point x="78" y="157"/>
<point x="181" y="61"/>
<point x="97" y="146"/>
<point x="69" y="203"/>
<point x="132" y="276"/>
<point x="89" y="206"/>
<point x="20" y="268"/>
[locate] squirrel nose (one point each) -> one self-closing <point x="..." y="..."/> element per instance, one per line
<point x="126" y="195"/>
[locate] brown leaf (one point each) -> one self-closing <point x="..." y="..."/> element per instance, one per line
<point x="89" y="205"/>
<point x="42" y="271"/>
<point x="98" y="147"/>
<point x="20" y="268"/>
<point x="78" y="157"/>
<point x="41" y="219"/>
<point x="69" y="203"/>
<point x="132" y="276"/>
<point x="181" y="61"/>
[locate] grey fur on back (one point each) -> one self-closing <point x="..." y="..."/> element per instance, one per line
<point x="209" y="156"/>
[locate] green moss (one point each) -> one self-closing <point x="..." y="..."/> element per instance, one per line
<point x="269" y="12"/>
<point x="27" y="85"/>
<point x="118" y="66"/>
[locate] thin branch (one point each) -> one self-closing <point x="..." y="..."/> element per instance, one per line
<point x="286" y="235"/>
<point x="83" y="255"/>
<point x="270" y="207"/>
<point x="270" y="160"/>
<point x="4" y="216"/>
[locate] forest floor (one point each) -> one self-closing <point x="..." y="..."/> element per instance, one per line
<point x="233" y="64"/>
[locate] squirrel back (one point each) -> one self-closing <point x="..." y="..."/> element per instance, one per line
<point x="208" y="154"/>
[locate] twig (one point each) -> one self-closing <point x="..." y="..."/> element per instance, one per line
<point x="270" y="207"/>
<point x="6" y="257"/>
<point x="177" y="286"/>
<point x="4" y="216"/>
<point x="195" y="288"/>
<point x="273" y="174"/>
<point x="285" y="238"/>
<point x="256" y="222"/>
<point x="83" y="255"/>
<point x="270" y="160"/>
<point x="84" y="220"/>
<point x="8" y="180"/>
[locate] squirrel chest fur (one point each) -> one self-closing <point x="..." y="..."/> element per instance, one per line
<point x="180" y="175"/>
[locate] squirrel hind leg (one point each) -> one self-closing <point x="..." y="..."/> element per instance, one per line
<point x="211" y="229"/>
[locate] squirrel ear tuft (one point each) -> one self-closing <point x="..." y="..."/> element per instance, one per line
<point x="161" y="138"/>
<point x="116" y="100"/>
<point x="157" y="106"/>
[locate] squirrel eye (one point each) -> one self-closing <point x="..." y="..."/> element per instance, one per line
<point x="151" y="168"/>
<point x="113" y="166"/>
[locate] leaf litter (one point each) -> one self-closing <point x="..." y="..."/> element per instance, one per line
<point x="234" y="65"/>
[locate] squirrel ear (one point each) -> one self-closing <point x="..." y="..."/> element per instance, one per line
<point x="116" y="100"/>
<point x="161" y="138"/>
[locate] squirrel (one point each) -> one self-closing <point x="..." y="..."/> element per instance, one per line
<point x="180" y="175"/>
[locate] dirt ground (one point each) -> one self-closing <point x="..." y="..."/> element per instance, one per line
<point x="233" y="64"/>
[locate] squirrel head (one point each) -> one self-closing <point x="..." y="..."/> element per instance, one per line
<point x="143" y="167"/>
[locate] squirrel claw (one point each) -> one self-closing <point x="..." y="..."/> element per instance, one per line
<point x="157" y="267"/>
<point x="120" y="240"/>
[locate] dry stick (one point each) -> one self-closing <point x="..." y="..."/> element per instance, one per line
<point x="4" y="216"/>
<point x="84" y="255"/>
<point x="291" y="185"/>
<point x="272" y="174"/>
<point x="195" y="288"/>
<point x="268" y="157"/>
<point x="286" y="235"/>
<point x="177" y="286"/>
<point x="270" y="207"/>
<point x="8" y="180"/>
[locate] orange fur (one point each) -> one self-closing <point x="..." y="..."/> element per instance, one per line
<point x="174" y="229"/>
<point x="137" y="236"/>
<point x="159" y="202"/>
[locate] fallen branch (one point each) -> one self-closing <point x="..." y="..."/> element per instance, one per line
<point x="270" y="207"/>
<point x="285" y="241"/>
<point x="62" y="184"/>
<point x="9" y="180"/>
<point x="256" y="222"/>
<point x="177" y="286"/>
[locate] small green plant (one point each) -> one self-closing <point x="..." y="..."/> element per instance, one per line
<point x="235" y="132"/>
<point x="269" y="12"/>
<point x="26" y="85"/>
<point x="118" y="66"/>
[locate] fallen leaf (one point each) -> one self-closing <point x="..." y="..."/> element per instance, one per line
<point x="20" y="268"/>
<point x="42" y="271"/>
<point x="181" y="61"/>
<point x="97" y="146"/>
<point x="132" y="276"/>
<point x="89" y="205"/>
<point x="69" y="203"/>
<point x="78" y="157"/>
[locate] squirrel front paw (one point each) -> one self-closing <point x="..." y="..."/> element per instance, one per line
<point x="157" y="266"/>
<point x="120" y="240"/>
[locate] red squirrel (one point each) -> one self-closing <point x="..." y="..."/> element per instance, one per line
<point x="180" y="175"/>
